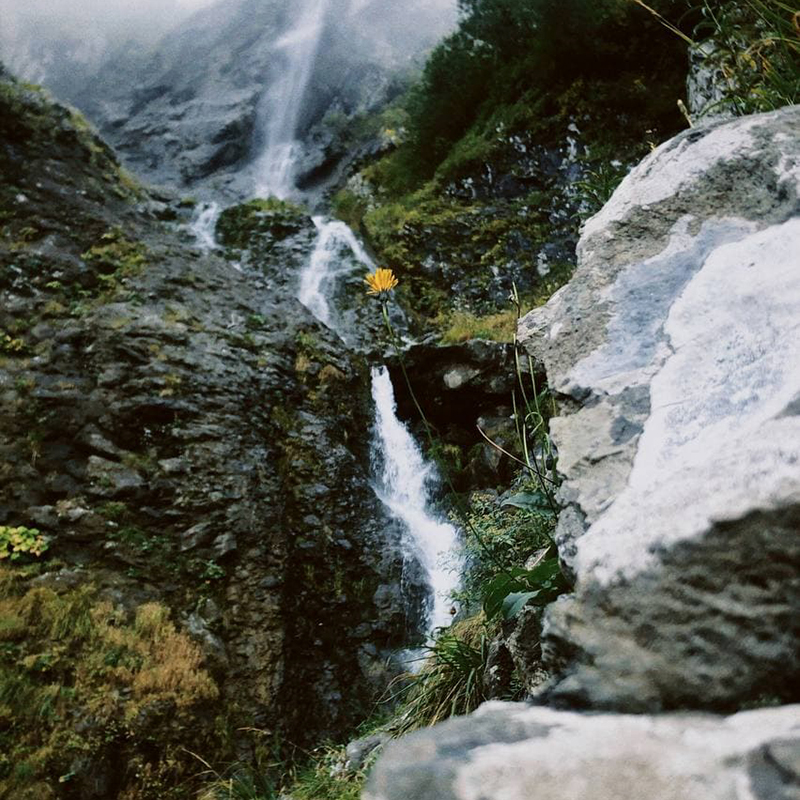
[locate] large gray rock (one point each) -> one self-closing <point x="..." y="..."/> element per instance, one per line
<point x="514" y="752"/>
<point x="676" y="352"/>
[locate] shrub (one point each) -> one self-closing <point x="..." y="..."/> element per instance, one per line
<point x="505" y="49"/>
<point x="16" y="543"/>
<point x="756" y="49"/>
<point x="510" y="536"/>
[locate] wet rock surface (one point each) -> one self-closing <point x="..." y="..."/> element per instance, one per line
<point x="183" y="431"/>
<point x="462" y="387"/>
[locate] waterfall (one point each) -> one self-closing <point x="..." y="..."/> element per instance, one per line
<point x="283" y="101"/>
<point x="403" y="479"/>
<point x="336" y="253"/>
<point x="403" y="483"/>
<point x="203" y="225"/>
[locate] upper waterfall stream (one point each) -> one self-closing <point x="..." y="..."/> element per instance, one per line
<point x="204" y="223"/>
<point x="403" y="480"/>
<point x="283" y="101"/>
<point x="335" y="251"/>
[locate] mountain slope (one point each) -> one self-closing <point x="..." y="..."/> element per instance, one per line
<point x="188" y="443"/>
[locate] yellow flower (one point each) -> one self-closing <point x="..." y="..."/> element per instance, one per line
<point x="382" y="282"/>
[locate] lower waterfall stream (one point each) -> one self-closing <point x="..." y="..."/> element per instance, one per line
<point x="403" y="483"/>
<point x="403" y="480"/>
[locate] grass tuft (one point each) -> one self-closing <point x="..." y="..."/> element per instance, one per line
<point x="451" y="681"/>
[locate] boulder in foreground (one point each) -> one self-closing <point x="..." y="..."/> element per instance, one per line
<point x="675" y="350"/>
<point x="508" y="751"/>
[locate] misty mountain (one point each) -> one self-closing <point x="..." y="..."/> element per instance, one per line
<point x="191" y="106"/>
<point x="63" y="44"/>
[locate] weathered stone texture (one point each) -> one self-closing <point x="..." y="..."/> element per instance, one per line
<point x="513" y="752"/>
<point x="676" y="351"/>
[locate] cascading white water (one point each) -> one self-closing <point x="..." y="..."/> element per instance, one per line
<point x="284" y="99"/>
<point x="403" y="484"/>
<point x="403" y="479"/>
<point x="336" y="253"/>
<point x="204" y="223"/>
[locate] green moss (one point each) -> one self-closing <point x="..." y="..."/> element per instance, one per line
<point x="12" y="345"/>
<point x="259" y="222"/>
<point x="115" y="255"/>
<point x="460" y="326"/>
<point x="24" y="111"/>
<point x="73" y="656"/>
<point x="114" y="511"/>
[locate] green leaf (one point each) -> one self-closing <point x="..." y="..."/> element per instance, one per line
<point x="515" y="602"/>
<point x="528" y="501"/>
<point x="544" y="583"/>
<point x="496" y="592"/>
<point x="548" y="570"/>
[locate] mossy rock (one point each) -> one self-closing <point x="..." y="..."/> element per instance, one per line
<point x="260" y="222"/>
<point x="70" y="661"/>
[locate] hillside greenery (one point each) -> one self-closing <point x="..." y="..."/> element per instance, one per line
<point x="519" y="80"/>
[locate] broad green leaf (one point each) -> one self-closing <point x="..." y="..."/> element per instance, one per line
<point x="497" y="590"/>
<point x="544" y="583"/>
<point x="528" y="500"/>
<point x="515" y="602"/>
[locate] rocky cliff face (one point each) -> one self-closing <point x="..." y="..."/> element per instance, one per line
<point x="674" y="352"/>
<point x="181" y="433"/>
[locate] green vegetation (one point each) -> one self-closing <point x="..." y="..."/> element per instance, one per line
<point x="509" y="537"/>
<point x="756" y="48"/>
<point x="80" y="676"/>
<point x="29" y="117"/>
<point x="321" y="775"/>
<point x="15" y="543"/>
<point x="12" y="345"/>
<point x="514" y="78"/>
<point x="324" y="777"/>
<point x="510" y="60"/>
<point x="518" y="75"/>
<point x="24" y="110"/>
<point x="460" y="326"/>
<point x="116" y="256"/>
<point x="259" y="222"/>
<point x="451" y="681"/>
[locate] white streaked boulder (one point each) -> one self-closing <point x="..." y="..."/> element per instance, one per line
<point x="675" y="350"/>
